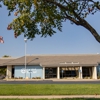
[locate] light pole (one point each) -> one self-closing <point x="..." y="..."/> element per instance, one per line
<point x="25" y="55"/>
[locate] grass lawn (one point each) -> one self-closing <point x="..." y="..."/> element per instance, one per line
<point x="49" y="89"/>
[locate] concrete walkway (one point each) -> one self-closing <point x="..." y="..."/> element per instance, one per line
<point x="52" y="79"/>
<point x="53" y="96"/>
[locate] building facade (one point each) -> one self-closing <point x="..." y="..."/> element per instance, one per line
<point x="53" y="67"/>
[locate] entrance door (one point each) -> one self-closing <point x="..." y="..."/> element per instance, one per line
<point x="68" y="73"/>
<point x="50" y="72"/>
<point x="87" y="72"/>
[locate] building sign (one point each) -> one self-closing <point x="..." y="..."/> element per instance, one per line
<point x="34" y="70"/>
<point x="29" y="70"/>
<point x="23" y="70"/>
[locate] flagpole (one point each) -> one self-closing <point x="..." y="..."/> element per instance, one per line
<point x="25" y="56"/>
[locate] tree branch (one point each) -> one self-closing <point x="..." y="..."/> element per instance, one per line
<point x="57" y="4"/>
<point x="72" y="19"/>
<point x="92" y="30"/>
<point x="81" y="21"/>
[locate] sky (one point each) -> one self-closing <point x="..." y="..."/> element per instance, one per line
<point x="72" y="40"/>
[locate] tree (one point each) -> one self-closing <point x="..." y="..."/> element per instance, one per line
<point x="6" y="56"/>
<point x="42" y="17"/>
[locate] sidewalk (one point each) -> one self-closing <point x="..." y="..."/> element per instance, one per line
<point x="52" y="96"/>
<point x="52" y="79"/>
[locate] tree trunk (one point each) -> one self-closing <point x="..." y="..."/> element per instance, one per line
<point x="91" y="29"/>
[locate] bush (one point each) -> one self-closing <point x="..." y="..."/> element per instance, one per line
<point x="20" y="77"/>
<point x="36" y="77"/>
<point x="98" y="77"/>
<point x="15" y="77"/>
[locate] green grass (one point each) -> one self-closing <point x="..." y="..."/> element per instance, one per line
<point x="49" y="89"/>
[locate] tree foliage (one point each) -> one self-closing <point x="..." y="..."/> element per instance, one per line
<point x="6" y="56"/>
<point x="43" y="17"/>
<point x="2" y="71"/>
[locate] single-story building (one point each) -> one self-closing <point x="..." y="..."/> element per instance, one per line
<point x="82" y="66"/>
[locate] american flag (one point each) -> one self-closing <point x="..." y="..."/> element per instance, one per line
<point x="1" y="39"/>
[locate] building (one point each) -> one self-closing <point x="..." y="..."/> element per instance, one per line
<point x="81" y="66"/>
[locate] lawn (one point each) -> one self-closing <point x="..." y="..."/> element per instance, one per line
<point x="49" y="89"/>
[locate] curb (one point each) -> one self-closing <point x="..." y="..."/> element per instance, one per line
<point x="51" y="80"/>
<point x="52" y="96"/>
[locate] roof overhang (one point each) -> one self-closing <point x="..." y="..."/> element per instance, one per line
<point x="69" y="65"/>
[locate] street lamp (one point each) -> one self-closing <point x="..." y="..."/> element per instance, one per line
<point x="25" y="55"/>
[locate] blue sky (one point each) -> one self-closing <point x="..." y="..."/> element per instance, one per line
<point x="72" y="40"/>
